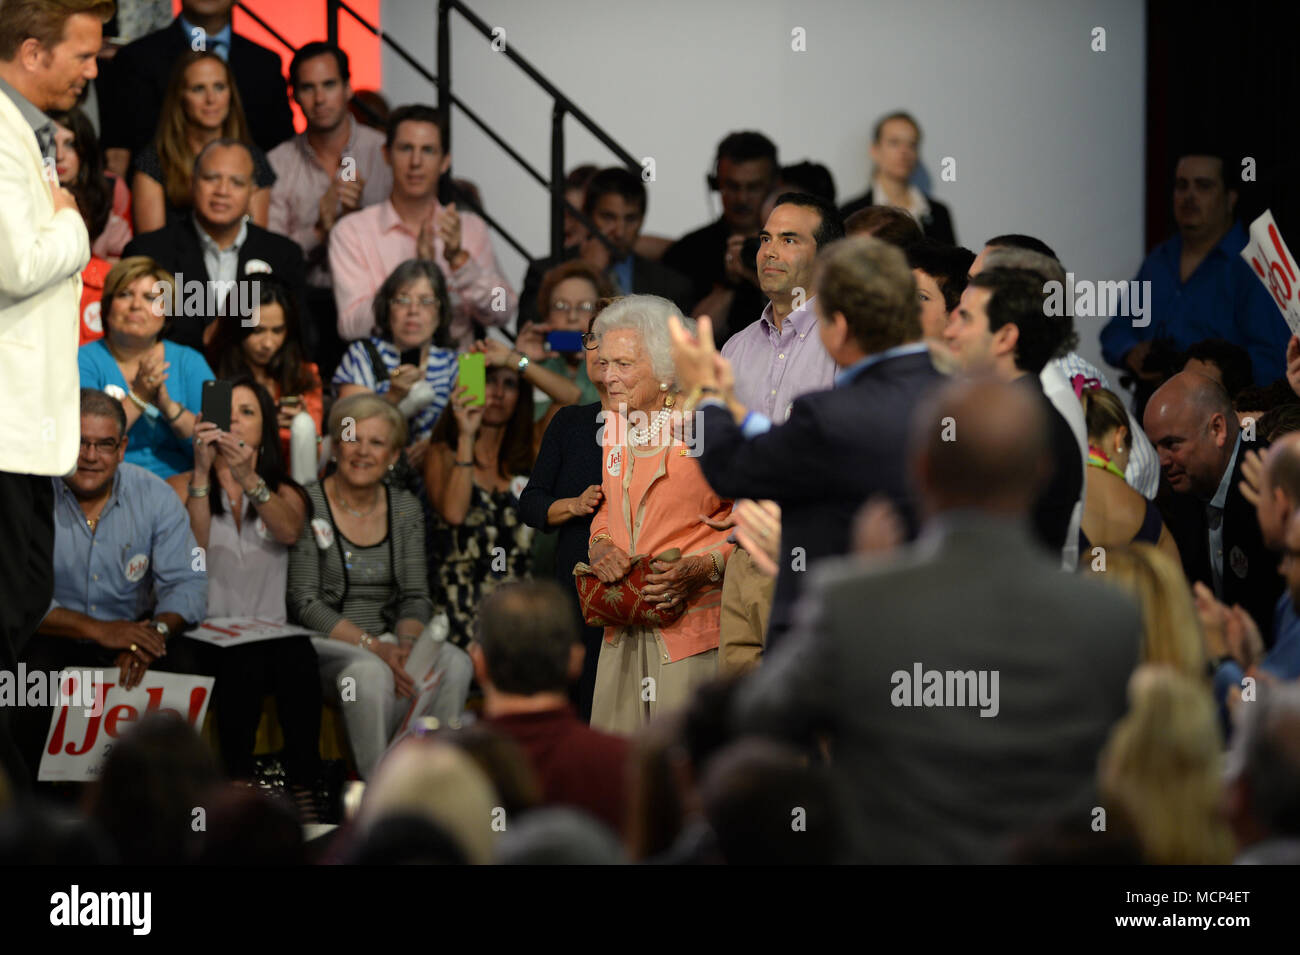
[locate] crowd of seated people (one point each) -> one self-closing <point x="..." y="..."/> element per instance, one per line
<point x="604" y="556"/>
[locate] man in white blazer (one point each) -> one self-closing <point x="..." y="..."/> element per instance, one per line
<point x="47" y="56"/>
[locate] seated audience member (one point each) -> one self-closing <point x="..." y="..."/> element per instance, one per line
<point x="331" y="169"/>
<point x="135" y="364"/>
<point x="941" y="272"/>
<point x="526" y="653"/>
<point x="895" y="154"/>
<point x="747" y="793"/>
<point x="124" y="582"/>
<point x="1162" y="766"/>
<point x="269" y="351"/>
<point x="135" y="85"/>
<point x="249" y="827"/>
<point x="1113" y="513"/>
<point x="1262" y="788"/>
<point x="1226" y="363"/>
<point x="838" y="447"/>
<point x="744" y="171"/>
<point x="886" y="223"/>
<point x="438" y="783"/>
<point x="357" y="576"/>
<point x="1253" y="402"/>
<point x="220" y="254"/>
<point x="366" y="246"/>
<point x="411" y="317"/>
<point x="528" y="360"/>
<point x="567" y="301"/>
<point x="615" y="201"/>
<point x="1281" y="420"/>
<point x="563" y="493"/>
<point x="1200" y="286"/>
<point x="1171" y="628"/>
<point x="497" y="754"/>
<point x="1000" y="327"/>
<point x="1067" y="366"/>
<point x="1039" y="752"/>
<point x="653" y="498"/>
<point x="1271" y="484"/>
<point x="153" y="778"/>
<point x="558" y="837"/>
<point x="103" y="198"/>
<point x="1191" y="422"/>
<point x="246" y="513"/>
<point x="202" y="105"/>
<point x="477" y="465"/>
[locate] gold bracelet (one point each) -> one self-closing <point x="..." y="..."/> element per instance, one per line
<point x="597" y="539"/>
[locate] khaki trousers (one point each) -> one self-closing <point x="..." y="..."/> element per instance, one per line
<point x="634" y="683"/>
<point x="746" y="607"/>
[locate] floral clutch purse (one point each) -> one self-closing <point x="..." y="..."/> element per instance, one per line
<point x="623" y="603"/>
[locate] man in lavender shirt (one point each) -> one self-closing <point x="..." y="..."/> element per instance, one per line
<point x="776" y="359"/>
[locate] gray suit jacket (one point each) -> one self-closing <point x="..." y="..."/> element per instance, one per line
<point x="943" y="784"/>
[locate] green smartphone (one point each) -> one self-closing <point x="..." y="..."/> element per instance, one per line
<point x="473" y="375"/>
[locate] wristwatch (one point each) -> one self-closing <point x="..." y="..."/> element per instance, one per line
<point x="162" y="628"/>
<point x="260" y="494"/>
<point x="523" y="363"/>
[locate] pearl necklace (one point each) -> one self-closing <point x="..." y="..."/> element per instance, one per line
<point x="643" y="436"/>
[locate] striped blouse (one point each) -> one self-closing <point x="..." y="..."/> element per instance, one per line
<point x="440" y="371"/>
<point x="331" y="579"/>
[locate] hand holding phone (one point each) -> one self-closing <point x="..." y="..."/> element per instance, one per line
<point x="216" y="403"/>
<point x="472" y="376"/>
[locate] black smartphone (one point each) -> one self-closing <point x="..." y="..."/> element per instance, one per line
<point x="410" y="357"/>
<point x="566" y="343"/>
<point x="216" y="403"/>
<point x="749" y="254"/>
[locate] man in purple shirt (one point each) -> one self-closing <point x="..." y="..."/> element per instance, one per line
<point x="776" y="359"/>
<point x="780" y="356"/>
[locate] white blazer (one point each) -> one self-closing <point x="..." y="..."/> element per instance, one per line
<point x="41" y="257"/>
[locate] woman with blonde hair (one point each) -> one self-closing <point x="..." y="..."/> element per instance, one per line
<point x="1114" y="514"/>
<point x="1162" y="767"/>
<point x="1171" y="627"/>
<point x="201" y="104"/>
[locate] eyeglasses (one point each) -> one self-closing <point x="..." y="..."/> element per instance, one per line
<point x="424" y="301"/>
<point x="106" y="446"/>
<point x="586" y="308"/>
<point x="589" y="341"/>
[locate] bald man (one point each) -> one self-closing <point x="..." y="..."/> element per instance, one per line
<point x="938" y="775"/>
<point x="1191" y="422"/>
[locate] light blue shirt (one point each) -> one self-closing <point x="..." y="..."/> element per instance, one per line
<point x="1216" y="528"/>
<point x="138" y="563"/>
<point x="218" y="43"/>
<point x="623" y="274"/>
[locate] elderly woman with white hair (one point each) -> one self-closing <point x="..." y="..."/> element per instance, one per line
<point x="654" y="499"/>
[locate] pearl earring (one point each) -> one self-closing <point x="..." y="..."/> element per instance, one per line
<point x="663" y="386"/>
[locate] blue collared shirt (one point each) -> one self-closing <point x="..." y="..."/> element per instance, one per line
<point x="1221" y="299"/>
<point x="1219" y="500"/>
<point x="218" y="43"/>
<point x="623" y="274"/>
<point x="142" y="547"/>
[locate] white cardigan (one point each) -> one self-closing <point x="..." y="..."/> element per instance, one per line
<point x="41" y="257"/>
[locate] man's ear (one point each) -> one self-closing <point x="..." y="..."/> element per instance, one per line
<point x="577" y="655"/>
<point x="1219" y="429"/>
<point x="446" y="164"/>
<point x="839" y="330"/>
<point x="1005" y="339"/>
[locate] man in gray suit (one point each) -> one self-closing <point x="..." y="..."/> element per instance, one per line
<point x="965" y="684"/>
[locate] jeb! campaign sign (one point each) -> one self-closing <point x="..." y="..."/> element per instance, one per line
<point x="1272" y="262"/>
<point x="77" y="744"/>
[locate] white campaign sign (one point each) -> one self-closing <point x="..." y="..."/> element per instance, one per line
<point x="1274" y="265"/>
<point x="237" y="631"/>
<point x="77" y="744"/>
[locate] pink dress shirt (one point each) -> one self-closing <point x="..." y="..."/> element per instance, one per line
<point x="301" y="181"/>
<point x="773" y="368"/>
<point x="367" y="245"/>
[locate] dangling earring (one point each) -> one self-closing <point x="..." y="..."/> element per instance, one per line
<point x="668" y="402"/>
<point x="390" y="467"/>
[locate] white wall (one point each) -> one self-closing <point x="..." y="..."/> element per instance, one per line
<point x="1047" y="135"/>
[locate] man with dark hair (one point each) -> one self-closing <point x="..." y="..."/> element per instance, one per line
<point x="810" y="177"/>
<point x="1195" y="430"/>
<point x="723" y="284"/>
<point x="615" y="200"/>
<point x="527" y="652"/>
<point x="125" y="586"/>
<point x="1031" y="664"/>
<point x="895" y="153"/>
<point x="1000" y="327"/>
<point x="1200" y="286"/>
<point x="886" y="223"/>
<point x="333" y="168"/>
<point x="367" y="245"/>
<point x="219" y="248"/>
<point x="1226" y="363"/>
<point x="47" y="55"/>
<point x="838" y="447"/>
<point x="132" y="88"/>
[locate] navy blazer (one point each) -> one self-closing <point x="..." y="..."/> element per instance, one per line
<point x="837" y="449"/>
<point x="131" y="89"/>
<point x="176" y="248"/>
